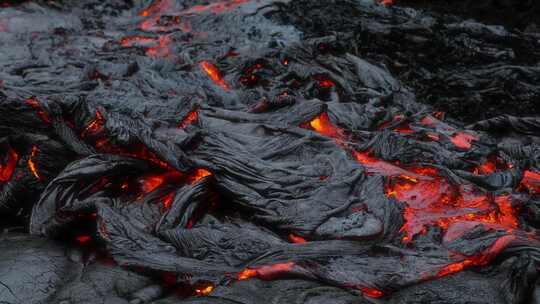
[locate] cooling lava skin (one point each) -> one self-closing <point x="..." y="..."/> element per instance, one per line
<point x="268" y="151"/>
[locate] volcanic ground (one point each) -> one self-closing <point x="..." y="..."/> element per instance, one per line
<point x="269" y="151"/>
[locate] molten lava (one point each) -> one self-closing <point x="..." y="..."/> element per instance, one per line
<point x="95" y="126"/>
<point x="431" y="200"/>
<point x="371" y="292"/>
<point x="204" y="290"/>
<point x="8" y="167"/>
<point x="190" y="118"/>
<point x="531" y="181"/>
<point x="31" y="164"/>
<point x="479" y="260"/>
<point x="197" y="175"/>
<point x="297" y="239"/>
<point x="214" y="74"/>
<point x="266" y="272"/>
<point x="322" y="124"/>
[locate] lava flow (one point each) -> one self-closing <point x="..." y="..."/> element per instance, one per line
<point x="284" y="151"/>
<point x="431" y="200"/>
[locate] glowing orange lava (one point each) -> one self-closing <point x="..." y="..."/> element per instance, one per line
<point x="266" y="272"/>
<point x="167" y="201"/>
<point x="297" y="239"/>
<point x="103" y="144"/>
<point x="479" y="260"/>
<point x="94" y="126"/>
<point x="324" y="126"/>
<point x="204" y="290"/>
<point x="32" y="165"/>
<point x="371" y="292"/>
<point x="150" y="183"/>
<point x="7" y="168"/>
<point x="190" y="118"/>
<point x="431" y="199"/>
<point x="197" y="175"/>
<point x="214" y="74"/>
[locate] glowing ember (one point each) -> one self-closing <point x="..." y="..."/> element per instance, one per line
<point x="32" y="165"/>
<point x="214" y="74"/>
<point x="8" y="167"/>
